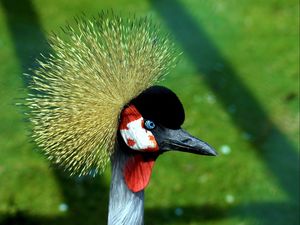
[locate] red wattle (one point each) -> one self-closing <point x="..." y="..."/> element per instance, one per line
<point x="137" y="172"/>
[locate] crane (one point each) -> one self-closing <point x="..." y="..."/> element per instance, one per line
<point x="95" y="100"/>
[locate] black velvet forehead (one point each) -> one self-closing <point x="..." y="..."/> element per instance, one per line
<point x="161" y="105"/>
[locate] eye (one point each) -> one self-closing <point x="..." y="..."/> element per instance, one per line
<point x="149" y="124"/>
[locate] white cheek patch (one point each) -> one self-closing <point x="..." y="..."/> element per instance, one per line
<point x="137" y="137"/>
<point x="133" y="132"/>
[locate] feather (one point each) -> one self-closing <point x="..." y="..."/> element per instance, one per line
<point x="77" y="93"/>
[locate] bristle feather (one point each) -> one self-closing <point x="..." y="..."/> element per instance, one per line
<point x="78" y="92"/>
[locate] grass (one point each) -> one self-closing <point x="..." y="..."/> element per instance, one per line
<point x="239" y="82"/>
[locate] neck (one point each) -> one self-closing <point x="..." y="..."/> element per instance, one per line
<point x="125" y="206"/>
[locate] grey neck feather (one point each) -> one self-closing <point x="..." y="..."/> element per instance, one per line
<point x="125" y="206"/>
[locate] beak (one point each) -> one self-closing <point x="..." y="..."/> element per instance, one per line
<point x="180" y="140"/>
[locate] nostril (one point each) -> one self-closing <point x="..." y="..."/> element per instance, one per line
<point x="186" y="140"/>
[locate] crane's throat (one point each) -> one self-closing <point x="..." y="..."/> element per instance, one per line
<point x="137" y="172"/>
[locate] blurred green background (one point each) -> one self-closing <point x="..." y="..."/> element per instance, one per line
<point x="238" y="79"/>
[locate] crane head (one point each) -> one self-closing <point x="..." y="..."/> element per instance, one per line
<point x="151" y="125"/>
